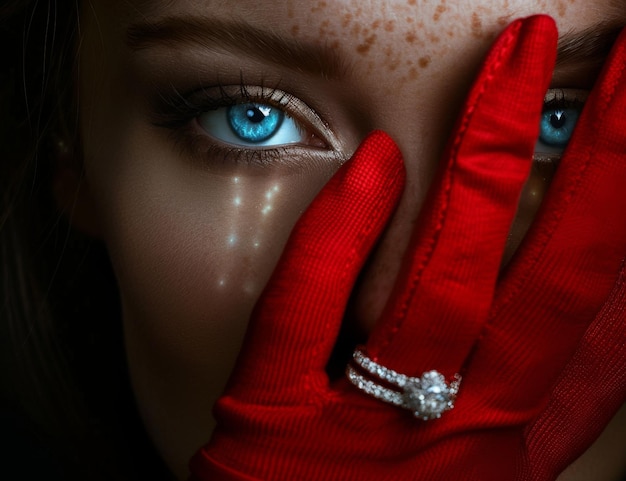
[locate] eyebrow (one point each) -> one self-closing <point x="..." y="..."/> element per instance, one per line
<point x="591" y="45"/>
<point x="238" y="37"/>
<point x="580" y="50"/>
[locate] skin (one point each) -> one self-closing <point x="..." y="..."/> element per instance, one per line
<point x="193" y="237"/>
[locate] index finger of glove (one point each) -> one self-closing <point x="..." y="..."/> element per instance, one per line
<point x="295" y="323"/>
<point x="443" y="296"/>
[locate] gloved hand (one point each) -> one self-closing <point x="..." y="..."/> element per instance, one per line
<point x="509" y="337"/>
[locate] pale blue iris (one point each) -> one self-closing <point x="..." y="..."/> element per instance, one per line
<point x="557" y="126"/>
<point x="254" y="122"/>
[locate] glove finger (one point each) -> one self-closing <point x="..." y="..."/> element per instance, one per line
<point x="443" y="295"/>
<point x="591" y="389"/>
<point x="571" y="257"/>
<point x="295" y="322"/>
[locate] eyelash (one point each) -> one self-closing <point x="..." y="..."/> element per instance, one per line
<point x="177" y="112"/>
<point x="557" y="98"/>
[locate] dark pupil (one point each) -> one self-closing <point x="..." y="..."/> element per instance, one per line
<point x="255" y="115"/>
<point x="558" y="119"/>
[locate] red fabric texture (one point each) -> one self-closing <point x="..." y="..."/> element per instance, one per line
<point x="536" y="345"/>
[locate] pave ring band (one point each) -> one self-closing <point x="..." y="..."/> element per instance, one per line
<point x="427" y="397"/>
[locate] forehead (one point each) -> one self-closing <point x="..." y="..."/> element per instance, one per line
<point x="393" y="11"/>
<point x="388" y="28"/>
<point x="370" y="26"/>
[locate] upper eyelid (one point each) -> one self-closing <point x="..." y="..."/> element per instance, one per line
<point x="233" y="94"/>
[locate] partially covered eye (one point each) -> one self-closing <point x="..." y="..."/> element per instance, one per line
<point x="562" y="108"/>
<point x="557" y="126"/>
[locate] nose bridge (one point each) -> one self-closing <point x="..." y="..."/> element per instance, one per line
<point x="379" y="276"/>
<point x="418" y="118"/>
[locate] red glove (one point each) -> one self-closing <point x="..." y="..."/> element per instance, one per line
<point x="510" y="338"/>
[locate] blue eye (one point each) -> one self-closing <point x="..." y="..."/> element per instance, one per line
<point x="562" y="108"/>
<point x="252" y="124"/>
<point x="557" y="126"/>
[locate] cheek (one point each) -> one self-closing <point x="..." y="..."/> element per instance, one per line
<point x="192" y="255"/>
<point x="191" y="250"/>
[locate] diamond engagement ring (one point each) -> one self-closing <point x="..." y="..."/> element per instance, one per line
<point x="427" y="397"/>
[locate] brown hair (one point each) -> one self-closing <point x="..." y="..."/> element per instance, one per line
<point x="63" y="378"/>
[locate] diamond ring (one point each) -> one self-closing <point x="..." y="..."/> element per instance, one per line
<point x="427" y="397"/>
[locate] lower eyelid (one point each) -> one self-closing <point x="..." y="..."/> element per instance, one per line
<point x="208" y="154"/>
<point x="542" y="158"/>
<point x="290" y="158"/>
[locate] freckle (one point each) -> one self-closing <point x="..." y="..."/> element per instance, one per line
<point x="319" y="7"/>
<point x="424" y="61"/>
<point x="367" y="45"/>
<point x="413" y="73"/>
<point x="504" y="20"/>
<point x="295" y="29"/>
<point x="410" y="37"/>
<point x="433" y="38"/>
<point x="347" y="18"/>
<point x="477" y="26"/>
<point x="561" y="8"/>
<point x="410" y="20"/>
<point x="389" y="25"/>
<point x="438" y="12"/>
<point x="411" y="2"/>
<point x="356" y="29"/>
<point x="376" y="24"/>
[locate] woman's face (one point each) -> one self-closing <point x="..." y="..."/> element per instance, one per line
<point x="208" y="127"/>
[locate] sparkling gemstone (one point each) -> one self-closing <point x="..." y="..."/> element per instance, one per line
<point x="429" y="396"/>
